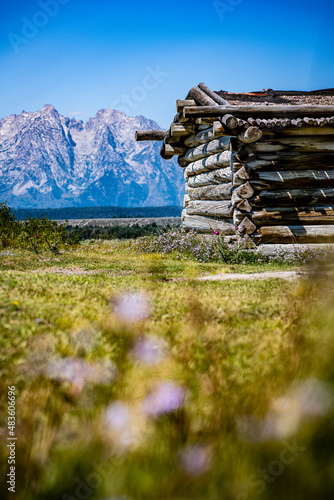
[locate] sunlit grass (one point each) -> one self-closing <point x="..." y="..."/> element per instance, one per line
<point x="232" y="347"/>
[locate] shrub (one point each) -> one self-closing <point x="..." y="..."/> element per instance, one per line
<point x="35" y="234"/>
<point x="42" y="234"/>
<point x="9" y="226"/>
<point x="115" y="232"/>
<point x="183" y="243"/>
<point x="189" y="244"/>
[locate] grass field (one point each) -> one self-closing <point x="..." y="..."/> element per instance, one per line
<point x="134" y="380"/>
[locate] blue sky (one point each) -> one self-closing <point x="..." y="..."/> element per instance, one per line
<point x="139" y="57"/>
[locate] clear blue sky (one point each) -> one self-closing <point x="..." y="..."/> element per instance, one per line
<point x="85" y="55"/>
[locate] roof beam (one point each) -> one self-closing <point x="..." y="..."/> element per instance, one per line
<point x="266" y="111"/>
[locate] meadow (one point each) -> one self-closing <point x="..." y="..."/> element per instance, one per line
<point x="135" y="380"/>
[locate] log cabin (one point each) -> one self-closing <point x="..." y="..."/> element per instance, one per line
<point x="257" y="165"/>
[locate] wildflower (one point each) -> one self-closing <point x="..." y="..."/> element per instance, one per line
<point x="309" y="399"/>
<point x="132" y="307"/>
<point x="149" y="350"/>
<point x="195" y="460"/>
<point x="314" y="397"/>
<point x="117" y="415"/>
<point x="236" y="228"/>
<point x="166" y="398"/>
<point x="79" y="372"/>
<point x="216" y="232"/>
<point x="37" y="236"/>
<point x="126" y="427"/>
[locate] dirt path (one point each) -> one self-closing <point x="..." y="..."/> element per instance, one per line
<point x="285" y="275"/>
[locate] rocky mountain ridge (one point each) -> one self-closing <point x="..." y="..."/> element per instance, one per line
<point x="50" y="160"/>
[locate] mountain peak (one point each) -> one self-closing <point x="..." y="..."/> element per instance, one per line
<point x="58" y="162"/>
<point x="109" y="113"/>
<point x="48" y="108"/>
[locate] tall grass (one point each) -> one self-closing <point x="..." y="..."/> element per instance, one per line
<point x="135" y="381"/>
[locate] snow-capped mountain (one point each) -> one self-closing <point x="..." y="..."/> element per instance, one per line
<point x="49" y="160"/>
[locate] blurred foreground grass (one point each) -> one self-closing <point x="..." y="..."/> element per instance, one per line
<point x="133" y="380"/>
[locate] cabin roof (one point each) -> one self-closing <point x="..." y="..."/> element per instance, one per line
<point x="265" y="109"/>
<point x="321" y="97"/>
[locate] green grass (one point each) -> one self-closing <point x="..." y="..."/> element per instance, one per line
<point x="233" y="346"/>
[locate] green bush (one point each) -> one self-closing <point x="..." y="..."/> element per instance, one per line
<point x="9" y="226"/>
<point x="42" y="234"/>
<point x="114" y="232"/>
<point x="36" y="234"/>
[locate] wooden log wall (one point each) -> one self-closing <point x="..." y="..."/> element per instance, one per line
<point x="268" y="178"/>
<point x="275" y="185"/>
<point x="208" y="175"/>
<point x="283" y="186"/>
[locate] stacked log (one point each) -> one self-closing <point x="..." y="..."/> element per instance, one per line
<point x="207" y="167"/>
<point x="262" y="171"/>
<point x="208" y="175"/>
<point x="283" y="187"/>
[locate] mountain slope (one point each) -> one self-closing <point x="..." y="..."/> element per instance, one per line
<point x="48" y="160"/>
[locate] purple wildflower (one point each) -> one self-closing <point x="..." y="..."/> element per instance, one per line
<point x="195" y="460"/>
<point x="149" y="350"/>
<point x="79" y="372"/>
<point x="132" y="307"/>
<point x="166" y="398"/>
<point x="117" y="415"/>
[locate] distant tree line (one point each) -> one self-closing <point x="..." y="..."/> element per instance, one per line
<point x="97" y="212"/>
<point x="76" y="233"/>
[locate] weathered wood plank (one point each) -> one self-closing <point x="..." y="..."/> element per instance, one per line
<point x="200" y="138"/>
<point x="245" y="191"/>
<point x="284" y="132"/>
<point x="163" y="153"/>
<point x="178" y="130"/>
<point x="245" y="226"/>
<point x="250" y="134"/>
<point x="171" y="150"/>
<point x="270" y="216"/>
<point x="212" y="162"/>
<point x="272" y="111"/>
<point x="301" y="143"/>
<point x="293" y="197"/>
<point x="150" y="135"/>
<point x="229" y="121"/>
<point x="181" y="103"/>
<point x="215" y="97"/>
<point x="203" y="136"/>
<point x="299" y="234"/>
<point x="288" y="179"/>
<point x="208" y="224"/>
<point x="287" y="161"/>
<point x="218" y="129"/>
<point x="220" y="192"/>
<point x="210" y="208"/>
<point x="241" y="176"/>
<point x="200" y="97"/>
<point x="186" y="200"/>
<point x="205" y="121"/>
<point x="217" y="176"/>
<point x="207" y="149"/>
<point x="242" y="204"/>
<point x="203" y="126"/>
